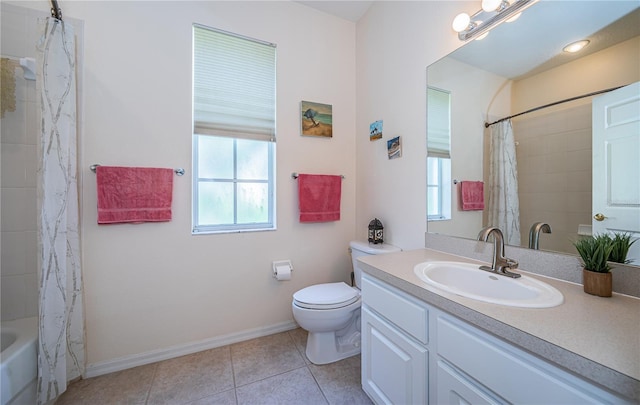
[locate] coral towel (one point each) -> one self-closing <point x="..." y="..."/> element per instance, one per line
<point x="471" y="195"/>
<point x="319" y="197"/>
<point x="134" y="194"/>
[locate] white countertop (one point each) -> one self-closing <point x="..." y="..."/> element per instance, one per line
<point x="594" y="337"/>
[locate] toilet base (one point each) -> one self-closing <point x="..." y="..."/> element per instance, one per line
<point x="327" y="347"/>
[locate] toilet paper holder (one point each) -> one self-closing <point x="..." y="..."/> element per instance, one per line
<point x="279" y="266"/>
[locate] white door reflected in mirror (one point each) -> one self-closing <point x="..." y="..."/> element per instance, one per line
<point x="616" y="164"/>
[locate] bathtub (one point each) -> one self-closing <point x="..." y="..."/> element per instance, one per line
<point x="18" y="365"/>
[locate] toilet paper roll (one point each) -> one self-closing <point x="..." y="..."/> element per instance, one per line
<point x="283" y="273"/>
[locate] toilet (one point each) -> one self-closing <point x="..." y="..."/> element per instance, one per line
<point x="330" y="312"/>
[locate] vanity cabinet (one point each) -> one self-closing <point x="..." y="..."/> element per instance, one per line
<point x="414" y="353"/>
<point x="394" y="353"/>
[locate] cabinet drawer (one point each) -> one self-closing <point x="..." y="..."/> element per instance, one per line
<point x="399" y="308"/>
<point x="510" y="373"/>
<point x="456" y="389"/>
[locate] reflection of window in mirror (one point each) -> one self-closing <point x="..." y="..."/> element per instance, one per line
<point x="438" y="189"/>
<point x="438" y="154"/>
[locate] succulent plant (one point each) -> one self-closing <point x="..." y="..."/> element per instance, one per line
<point x="594" y="252"/>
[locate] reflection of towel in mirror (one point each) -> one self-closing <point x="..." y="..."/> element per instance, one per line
<point x="319" y="197"/>
<point x="471" y="195"/>
<point x="134" y="194"/>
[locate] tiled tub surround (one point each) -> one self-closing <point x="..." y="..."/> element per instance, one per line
<point x="594" y="338"/>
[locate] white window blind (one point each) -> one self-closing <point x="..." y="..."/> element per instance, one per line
<point x="438" y="123"/>
<point x="234" y="86"/>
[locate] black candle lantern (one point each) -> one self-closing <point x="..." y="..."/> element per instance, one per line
<point x="375" y="231"/>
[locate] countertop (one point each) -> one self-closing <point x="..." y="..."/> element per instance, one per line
<point x="593" y="337"/>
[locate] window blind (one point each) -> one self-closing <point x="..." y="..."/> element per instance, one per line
<point x="438" y="123"/>
<point x="234" y="91"/>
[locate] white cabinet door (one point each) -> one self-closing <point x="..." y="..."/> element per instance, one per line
<point x="394" y="367"/>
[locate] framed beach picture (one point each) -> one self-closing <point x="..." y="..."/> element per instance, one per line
<point x="394" y="148"/>
<point x="375" y="130"/>
<point x="316" y="119"/>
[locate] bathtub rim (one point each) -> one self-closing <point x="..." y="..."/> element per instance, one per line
<point x="15" y="377"/>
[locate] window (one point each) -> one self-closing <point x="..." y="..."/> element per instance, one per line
<point x="233" y="132"/>
<point x="438" y="154"/>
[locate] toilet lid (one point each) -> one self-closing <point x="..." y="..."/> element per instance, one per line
<point x="326" y="296"/>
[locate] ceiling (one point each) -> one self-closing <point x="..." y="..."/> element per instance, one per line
<point x="346" y="9"/>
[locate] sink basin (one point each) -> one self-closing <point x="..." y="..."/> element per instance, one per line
<point x="467" y="280"/>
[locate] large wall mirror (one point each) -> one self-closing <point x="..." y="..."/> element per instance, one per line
<point x="521" y="66"/>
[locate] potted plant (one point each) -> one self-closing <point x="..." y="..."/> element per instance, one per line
<point x="621" y="244"/>
<point x="594" y="252"/>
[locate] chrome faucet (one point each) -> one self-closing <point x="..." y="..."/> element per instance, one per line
<point x="500" y="265"/>
<point x="534" y="234"/>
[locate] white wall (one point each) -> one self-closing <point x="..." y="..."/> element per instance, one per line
<point x="149" y="287"/>
<point x="396" y="41"/>
<point x="153" y="286"/>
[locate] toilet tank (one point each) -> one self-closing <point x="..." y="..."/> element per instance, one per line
<point x="359" y="248"/>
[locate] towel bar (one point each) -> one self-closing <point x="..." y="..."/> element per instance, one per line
<point x="294" y="175"/>
<point x="178" y="171"/>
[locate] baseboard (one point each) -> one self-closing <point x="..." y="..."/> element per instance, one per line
<point x="123" y="363"/>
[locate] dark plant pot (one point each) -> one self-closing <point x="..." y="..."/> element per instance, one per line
<point x="600" y="284"/>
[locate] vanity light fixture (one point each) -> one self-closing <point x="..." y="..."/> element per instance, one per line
<point x="493" y="13"/>
<point x="576" y="46"/>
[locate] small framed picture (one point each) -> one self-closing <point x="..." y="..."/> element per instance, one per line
<point x="316" y="119"/>
<point x="375" y="130"/>
<point x="394" y="148"/>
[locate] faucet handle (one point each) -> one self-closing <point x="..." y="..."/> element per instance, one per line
<point x="512" y="264"/>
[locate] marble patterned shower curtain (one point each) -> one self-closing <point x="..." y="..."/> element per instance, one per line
<point x="61" y="324"/>
<point x="504" y="205"/>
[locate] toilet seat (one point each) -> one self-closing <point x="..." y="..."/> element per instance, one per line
<point x="326" y="296"/>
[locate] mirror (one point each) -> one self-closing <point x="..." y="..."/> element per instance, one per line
<point x="520" y="66"/>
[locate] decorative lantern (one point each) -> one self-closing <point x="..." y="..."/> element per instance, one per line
<point x="375" y="231"/>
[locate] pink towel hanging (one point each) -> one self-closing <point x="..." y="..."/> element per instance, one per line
<point x="134" y="194"/>
<point x="319" y="197"/>
<point x="471" y="195"/>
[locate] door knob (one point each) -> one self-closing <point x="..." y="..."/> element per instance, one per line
<point x="599" y="217"/>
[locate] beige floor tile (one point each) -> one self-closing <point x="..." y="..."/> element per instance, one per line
<point x="223" y="398"/>
<point x="341" y="381"/>
<point x="123" y="387"/>
<point x="299" y="337"/>
<point x="192" y="377"/>
<point x="268" y="370"/>
<point x="264" y="357"/>
<point x="294" y="387"/>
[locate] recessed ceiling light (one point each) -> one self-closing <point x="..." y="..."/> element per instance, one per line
<point x="576" y="46"/>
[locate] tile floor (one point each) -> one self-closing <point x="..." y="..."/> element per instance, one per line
<point x="267" y="370"/>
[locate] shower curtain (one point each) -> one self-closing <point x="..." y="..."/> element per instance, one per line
<point x="504" y="206"/>
<point x="60" y="309"/>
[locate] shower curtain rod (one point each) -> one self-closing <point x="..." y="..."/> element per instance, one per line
<point x="56" y="12"/>
<point x="595" y="93"/>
